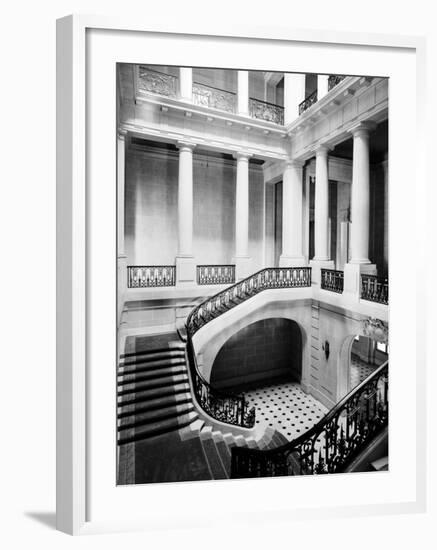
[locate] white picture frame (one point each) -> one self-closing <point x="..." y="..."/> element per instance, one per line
<point x="74" y="341"/>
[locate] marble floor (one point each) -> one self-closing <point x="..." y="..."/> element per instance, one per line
<point x="286" y="407"/>
<point x="359" y="371"/>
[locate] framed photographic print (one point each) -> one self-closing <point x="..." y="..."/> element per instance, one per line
<point x="236" y="321"/>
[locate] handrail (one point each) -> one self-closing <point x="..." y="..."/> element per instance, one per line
<point x="307" y="102"/>
<point x="346" y="429"/>
<point x="213" y="87"/>
<point x="226" y="406"/>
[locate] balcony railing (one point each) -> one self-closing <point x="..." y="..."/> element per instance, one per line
<point x="307" y="102"/>
<point x="333" y="80"/>
<point x="332" y="280"/>
<point x="215" y="98"/>
<point x="332" y="444"/>
<point x="156" y="82"/>
<point x="215" y="274"/>
<point x="266" y="111"/>
<point x="374" y="289"/>
<point x="145" y="276"/>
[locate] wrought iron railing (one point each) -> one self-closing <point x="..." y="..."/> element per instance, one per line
<point x="333" y="80"/>
<point x="332" y="444"/>
<point x="143" y="276"/>
<point x="307" y="102"/>
<point x="224" y="406"/>
<point x="227" y="407"/>
<point x="215" y="274"/>
<point x="266" y="111"/>
<point x="268" y="278"/>
<point x="374" y="289"/>
<point x="332" y="280"/>
<point x="208" y="96"/>
<point x="156" y="82"/>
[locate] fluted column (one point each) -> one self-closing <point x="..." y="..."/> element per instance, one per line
<point x="321" y="206"/>
<point x="292" y="255"/>
<point x="185" y="267"/>
<point x="360" y="200"/>
<point x="243" y="92"/>
<point x="294" y="94"/>
<point x="322" y="85"/>
<point x="242" y="259"/>
<point x="186" y="83"/>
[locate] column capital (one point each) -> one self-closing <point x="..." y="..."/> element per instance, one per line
<point x="121" y="133"/>
<point x="363" y="128"/>
<point x="293" y="163"/>
<point x="185" y="145"/>
<point x="242" y="155"/>
<point x="323" y="150"/>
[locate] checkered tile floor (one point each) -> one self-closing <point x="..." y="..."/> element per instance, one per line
<point x="359" y="371"/>
<point x="286" y="407"/>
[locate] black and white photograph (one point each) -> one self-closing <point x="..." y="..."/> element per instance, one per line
<point x="252" y="274"/>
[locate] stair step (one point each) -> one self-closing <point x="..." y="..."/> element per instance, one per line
<point x="129" y="435"/>
<point x="215" y="464"/>
<point x="151" y="374"/>
<point x="153" y="384"/>
<point x="140" y="419"/>
<point x="176" y="346"/>
<point x="155" y="393"/>
<point x="144" y="364"/>
<point x="223" y="451"/>
<point x="153" y="404"/>
<point x="381" y="464"/>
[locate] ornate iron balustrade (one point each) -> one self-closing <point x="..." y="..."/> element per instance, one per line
<point x="330" y="445"/>
<point x="332" y="280"/>
<point x="307" y="102"/>
<point x="155" y="82"/>
<point x="215" y="274"/>
<point x="223" y="406"/>
<point x="374" y="289"/>
<point x="268" y="278"/>
<point x="333" y="80"/>
<point x="208" y="96"/>
<point x="144" y="276"/>
<point x="266" y="111"/>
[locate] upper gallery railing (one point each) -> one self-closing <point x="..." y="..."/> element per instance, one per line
<point x="156" y="82"/>
<point x="333" y="80"/>
<point x="208" y="96"/>
<point x="268" y="278"/>
<point x="330" y="445"/>
<point x="144" y="276"/>
<point x="374" y="289"/>
<point x="307" y="102"/>
<point x="266" y="111"/>
<point x="332" y="280"/>
<point x="215" y="274"/>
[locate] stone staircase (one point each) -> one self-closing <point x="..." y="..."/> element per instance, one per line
<point x="153" y="392"/>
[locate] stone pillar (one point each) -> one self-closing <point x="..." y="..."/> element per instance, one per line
<point x="322" y="85"/>
<point x="294" y="94"/>
<point x="292" y="255"/>
<point x="243" y="93"/>
<point x="185" y="264"/>
<point x="321" y="216"/>
<point x="359" y="262"/>
<point x="121" y="253"/>
<point x="386" y="214"/>
<point x="186" y="83"/>
<point x="242" y="259"/>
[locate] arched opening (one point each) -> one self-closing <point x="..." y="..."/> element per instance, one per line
<point x="267" y="351"/>
<point x="366" y="355"/>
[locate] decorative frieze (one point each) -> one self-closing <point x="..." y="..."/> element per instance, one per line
<point x="155" y="82"/>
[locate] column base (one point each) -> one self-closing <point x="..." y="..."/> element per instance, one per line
<point x="317" y="266"/>
<point x="185" y="271"/>
<point x="243" y="267"/>
<point x="291" y="261"/>
<point x="352" y="275"/>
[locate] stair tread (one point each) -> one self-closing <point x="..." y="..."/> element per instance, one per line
<point x="171" y="347"/>
<point x="153" y="404"/>
<point x="141" y="418"/>
<point x="157" y="428"/>
<point x="170" y="380"/>
<point x="139" y="365"/>
<point x="150" y="374"/>
<point x="213" y="458"/>
<point x="144" y="394"/>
